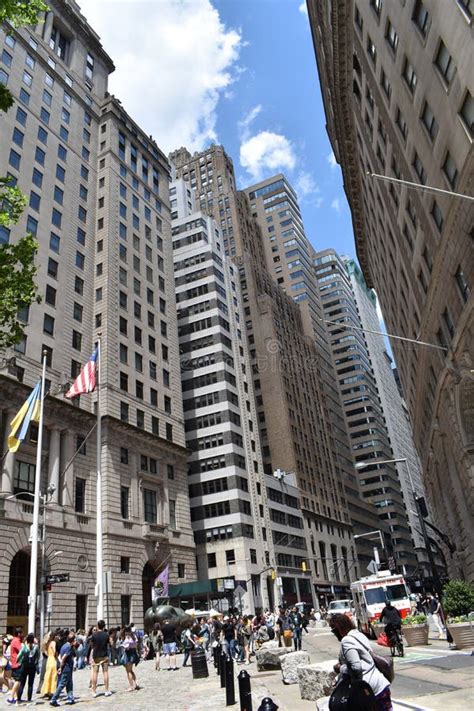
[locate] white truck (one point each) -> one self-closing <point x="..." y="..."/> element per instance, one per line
<point x="371" y="593"/>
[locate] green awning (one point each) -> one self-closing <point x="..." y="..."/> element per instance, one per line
<point x="197" y="587"/>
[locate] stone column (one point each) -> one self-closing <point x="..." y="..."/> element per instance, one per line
<point x="67" y="483"/>
<point x="53" y="462"/>
<point x="48" y="26"/>
<point x="8" y="464"/>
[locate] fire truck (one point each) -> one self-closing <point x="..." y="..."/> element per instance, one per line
<point x="371" y="593"/>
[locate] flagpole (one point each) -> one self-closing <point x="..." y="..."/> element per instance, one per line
<point x="99" y="533"/>
<point x="36" y="507"/>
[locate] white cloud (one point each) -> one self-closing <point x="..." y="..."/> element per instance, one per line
<point x="303" y="8"/>
<point x="336" y="205"/>
<point x="245" y="123"/>
<point x="307" y="189"/>
<point x="331" y="159"/>
<point x="266" y="152"/>
<point x="174" y="60"/>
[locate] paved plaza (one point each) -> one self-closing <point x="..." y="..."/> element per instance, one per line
<point x="431" y="678"/>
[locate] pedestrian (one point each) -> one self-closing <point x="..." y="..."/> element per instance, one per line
<point x="50" y="681"/>
<point x="246" y="636"/>
<point x="169" y="644"/>
<point x="15" y="647"/>
<point x="6" y="670"/>
<point x="434" y="609"/>
<point x="100" y="657"/>
<point x="296" y="625"/>
<point x="156" y="641"/>
<point x="229" y="637"/>
<point x="188" y="641"/>
<point x="81" y="649"/>
<point x="29" y="660"/>
<point x="130" y="656"/>
<point x="356" y="661"/>
<point x="65" y="670"/>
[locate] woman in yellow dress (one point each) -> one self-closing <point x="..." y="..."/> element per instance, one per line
<point x="51" y="674"/>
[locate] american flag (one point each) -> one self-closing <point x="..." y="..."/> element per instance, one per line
<point x="86" y="380"/>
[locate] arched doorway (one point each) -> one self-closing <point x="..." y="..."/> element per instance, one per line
<point x="18" y="589"/>
<point x="148" y="578"/>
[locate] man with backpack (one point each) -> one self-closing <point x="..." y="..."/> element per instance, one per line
<point x="28" y="659"/>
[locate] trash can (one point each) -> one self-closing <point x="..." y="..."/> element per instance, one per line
<point x="199" y="663"/>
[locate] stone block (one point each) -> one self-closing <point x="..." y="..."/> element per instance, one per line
<point x="270" y="658"/>
<point x="316" y="680"/>
<point x="271" y="644"/>
<point x="289" y="666"/>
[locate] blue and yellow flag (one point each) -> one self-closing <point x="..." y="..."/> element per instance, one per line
<point x="29" y="411"/>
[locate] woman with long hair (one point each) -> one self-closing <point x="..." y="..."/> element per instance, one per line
<point x="356" y="661"/>
<point x="156" y="640"/>
<point x="50" y="681"/>
<point x="130" y="656"/>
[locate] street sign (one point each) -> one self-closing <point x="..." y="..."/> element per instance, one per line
<point x="239" y="591"/>
<point x="372" y="567"/>
<point x="59" y="578"/>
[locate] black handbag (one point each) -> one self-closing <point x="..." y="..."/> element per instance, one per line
<point x="352" y="696"/>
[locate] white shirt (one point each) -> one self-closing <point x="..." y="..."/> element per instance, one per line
<point x="357" y="661"/>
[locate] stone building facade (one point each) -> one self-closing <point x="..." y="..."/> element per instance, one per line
<point x="98" y="194"/>
<point x="397" y="86"/>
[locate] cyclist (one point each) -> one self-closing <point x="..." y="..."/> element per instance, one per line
<point x="393" y="622"/>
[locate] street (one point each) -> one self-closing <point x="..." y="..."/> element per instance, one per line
<point x="429" y="678"/>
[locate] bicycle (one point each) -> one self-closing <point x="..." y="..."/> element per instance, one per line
<point x="394" y="635"/>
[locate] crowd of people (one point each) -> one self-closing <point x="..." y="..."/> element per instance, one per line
<point x="63" y="651"/>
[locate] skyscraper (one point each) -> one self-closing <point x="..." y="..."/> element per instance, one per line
<point x="285" y="365"/>
<point x="289" y="256"/>
<point x="98" y="195"/>
<point x="226" y="482"/>
<point x="397" y="86"/>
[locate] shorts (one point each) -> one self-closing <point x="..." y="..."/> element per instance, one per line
<point x="100" y="661"/>
<point x="169" y="648"/>
<point x="16" y="673"/>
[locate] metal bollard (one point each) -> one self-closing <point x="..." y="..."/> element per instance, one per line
<point x="214" y="657"/>
<point x="268" y="705"/>
<point x="223" y="657"/>
<point x="245" y="692"/>
<point x="229" y="682"/>
<point x="217" y="661"/>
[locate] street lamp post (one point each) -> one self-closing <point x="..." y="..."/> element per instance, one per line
<point x="424" y="531"/>
<point x="378" y="533"/>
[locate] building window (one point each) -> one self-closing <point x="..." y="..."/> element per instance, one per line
<point x="409" y="75"/>
<point x="59" y="44"/>
<point x="437" y="215"/>
<point x="24" y="479"/>
<point x="124" y="502"/>
<point x="48" y="325"/>
<point x="391" y="36"/>
<point x="50" y="296"/>
<point x="463" y="286"/>
<point x="170" y="470"/>
<point x="124" y="412"/>
<point x="181" y="570"/>
<point x="79" y="495"/>
<point x="401" y="123"/>
<point x="385" y="84"/>
<point x="253" y="556"/>
<point x="450" y="170"/>
<point x="444" y="63"/>
<point x="149" y="505"/>
<point x="123" y="455"/>
<point x="211" y="560"/>
<point x="124" y="564"/>
<point x="421" y="18"/>
<point x="14" y="159"/>
<point x="467" y="113"/>
<point x="169" y="432"/>
<point x="172" y="506"/>
<point x="371" y="50"/>
<point x="429" y="121"/>
<point x="467" y="6"/>
<point x="230" y="557"/>
<point x="419" y="169"/>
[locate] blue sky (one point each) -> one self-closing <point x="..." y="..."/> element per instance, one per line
<point x="238" y="72"/>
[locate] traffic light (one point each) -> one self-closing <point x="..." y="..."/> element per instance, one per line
<point x="304" y="567"/>
<point x="391" y="563"/>
<point x="273" y="574"/>
<point x="422" y="508"/>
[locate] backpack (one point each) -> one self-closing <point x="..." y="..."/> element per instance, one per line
<point x="185" y="640"/>
<point x="352" y="696"/>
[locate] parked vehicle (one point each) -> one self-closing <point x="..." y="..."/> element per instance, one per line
<point x="344" y="607"/>
<point x="371" y="593"/>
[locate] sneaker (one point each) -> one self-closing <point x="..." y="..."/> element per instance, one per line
<point x="108" y="693"/>
<point x="95" y="694"/>
<point x="54" y="703"/>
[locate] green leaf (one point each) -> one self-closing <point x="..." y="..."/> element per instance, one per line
<point x="21" y="12"/>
